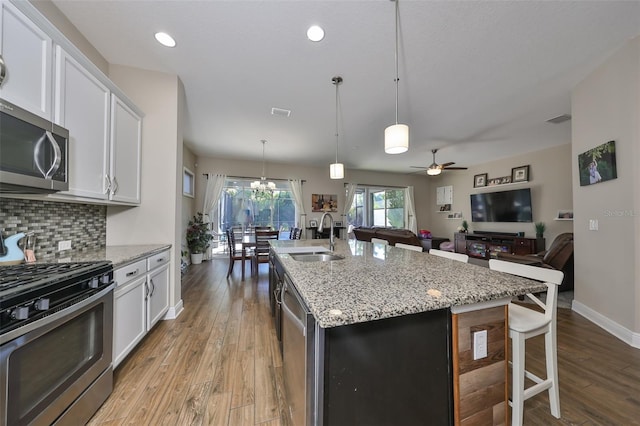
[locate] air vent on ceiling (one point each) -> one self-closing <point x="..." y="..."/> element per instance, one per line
<point x="559" y="119"/>
<point x="281" y="112"/>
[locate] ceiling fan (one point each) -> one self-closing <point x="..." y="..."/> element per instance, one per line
<point x="435" y="169"/>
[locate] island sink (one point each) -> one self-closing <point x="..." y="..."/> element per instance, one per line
<point x="316" y="257"/>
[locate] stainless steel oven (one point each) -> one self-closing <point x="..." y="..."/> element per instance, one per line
<point x="56" y="348"/>
<point x="34" y="152"/>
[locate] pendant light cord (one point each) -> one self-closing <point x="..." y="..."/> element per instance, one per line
<point x="397" y="78"/>
<point x="337" y="83"/>
<point x="264" y="177"/>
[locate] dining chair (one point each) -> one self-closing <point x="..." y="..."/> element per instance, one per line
<point x="297" y="234"/>
<point x="525" y="323"/>
<point x="460" y="257"/>
<point x="408" y="247"/>
<point x="235" y="250"/>
<point x="261" y="251"/>
<point x="379" y="241"/>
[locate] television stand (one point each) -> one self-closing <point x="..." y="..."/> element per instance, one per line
<point x="486" y="245"/>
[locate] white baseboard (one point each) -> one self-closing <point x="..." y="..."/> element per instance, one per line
<point x="174" y="311"/>
<point x="622" y="333"/>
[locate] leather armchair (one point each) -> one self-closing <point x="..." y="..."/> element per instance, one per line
<point x="559" y="256"/>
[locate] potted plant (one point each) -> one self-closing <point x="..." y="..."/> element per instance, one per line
<point x="198" y="238"/>
<point x="540" y="228"/>
<point x="464" y="227"/>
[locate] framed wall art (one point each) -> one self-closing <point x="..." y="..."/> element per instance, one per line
<point x="598" y="164"/>
<point x="480" y="180"/>
<point x="324" y="203"/>
<point x="520" y="174"/>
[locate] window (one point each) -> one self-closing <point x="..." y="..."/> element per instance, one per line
<point x="378" y="207"/>
<point x="239" y="206"/>
<point x="188" y="183"/>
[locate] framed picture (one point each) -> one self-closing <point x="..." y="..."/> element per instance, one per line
<point x="313" y="223"/>
<point x="520" y="174"/>
<point x="324" y="202"/>
<point x="480" y="180"/>
<point x="598" y="164"/>
<point x="564" y="215"/>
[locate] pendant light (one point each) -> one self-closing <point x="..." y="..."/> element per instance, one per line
<point x="396" y="137"/>
<point x="336" y="170"/>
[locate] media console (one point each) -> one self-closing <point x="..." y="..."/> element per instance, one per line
<point x="486" y="245"/>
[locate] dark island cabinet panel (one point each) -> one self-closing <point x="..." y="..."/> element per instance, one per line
<point x="395" y="371"/>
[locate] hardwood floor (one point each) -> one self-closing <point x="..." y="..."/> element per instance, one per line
<point x="218" y="363"/>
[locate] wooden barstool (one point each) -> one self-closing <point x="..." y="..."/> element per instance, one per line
<point x="525" y="323"/>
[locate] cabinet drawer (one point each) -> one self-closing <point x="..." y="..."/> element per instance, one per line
<point x="129" y="272"/>
<point x="158" y="260"/>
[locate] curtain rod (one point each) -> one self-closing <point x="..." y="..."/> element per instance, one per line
<point x="378" y="186"/>
<point x="206" y="175"/>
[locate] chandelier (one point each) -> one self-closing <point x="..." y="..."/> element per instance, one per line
<point x="262" y="187"/>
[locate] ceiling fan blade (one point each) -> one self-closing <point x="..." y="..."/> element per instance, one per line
<point x="419" y="167"/>
<point x="445" y="165"/>
<point x="455" y="168"/>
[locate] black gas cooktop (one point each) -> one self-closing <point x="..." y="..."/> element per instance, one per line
<point x="31" y="291"/>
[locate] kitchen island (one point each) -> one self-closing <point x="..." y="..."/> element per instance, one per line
<point x="389" y="336"/>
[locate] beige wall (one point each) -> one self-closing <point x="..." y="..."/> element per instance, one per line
<point x="317" y="182"/>
<point x="155" y="220"/>
<point x="606" y="106"/>
<point x="549" y="180"/>
<point x="57" y="18"/>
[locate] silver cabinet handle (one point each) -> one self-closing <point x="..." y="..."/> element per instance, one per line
<point x="115" y="186"/>
<point x="153" y="287"/>
<point x="57" y="155"/>
<point x="132" y="273"/>
<point x="146" y="291"/>
<point x="3" y="70"/>
<point x="160" y="260"/>
<point x="108" y="180"/>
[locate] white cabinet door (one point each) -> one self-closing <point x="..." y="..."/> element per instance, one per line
<point x="126" y="136"/>
<point x="27" y="53"/>
<point x="82" y="106"/>
<point x="129" y="318"/>
<point x="158" y="299"/>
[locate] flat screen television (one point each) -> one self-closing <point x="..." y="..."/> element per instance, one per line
<point x="503" y="206"/>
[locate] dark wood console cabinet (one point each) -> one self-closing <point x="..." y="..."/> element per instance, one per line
<point x="485" y="246"/>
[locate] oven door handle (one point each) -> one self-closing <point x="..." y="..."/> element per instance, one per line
<point x="7" y="337"/>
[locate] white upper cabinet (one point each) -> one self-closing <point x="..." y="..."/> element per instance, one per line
<point x="104" y="126"/>
<point x="27" y="54"/>
<point x="82" y="106"/>
<point x="126" y="137"/>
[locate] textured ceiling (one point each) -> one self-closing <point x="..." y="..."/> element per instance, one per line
<point x="478" y="79"/>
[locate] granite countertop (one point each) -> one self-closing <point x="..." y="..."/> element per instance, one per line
<point x="118" y="255"/>
<point x="375" y="281"/>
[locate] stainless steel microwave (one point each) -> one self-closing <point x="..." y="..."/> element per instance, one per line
<point x="33" y="152"/>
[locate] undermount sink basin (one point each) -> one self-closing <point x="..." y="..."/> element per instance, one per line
<point x="316" y="257"/>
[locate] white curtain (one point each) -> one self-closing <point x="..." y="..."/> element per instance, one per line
<point x="215" y="184"/>
<point x="350" y="189"/>
<point x="412" y="225"/>
<point x="296" y="191"/>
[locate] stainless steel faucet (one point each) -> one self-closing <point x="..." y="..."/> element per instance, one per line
<point x="332" y="243"/>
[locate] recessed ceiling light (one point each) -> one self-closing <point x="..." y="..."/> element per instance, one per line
<point x="165" y="39"/>
<point x="315" y="33"/>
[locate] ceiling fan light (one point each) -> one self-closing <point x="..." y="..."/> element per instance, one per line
<point x="336" y="171"/>
<point x="396" y="139"/>
<point x="434" y="171"/>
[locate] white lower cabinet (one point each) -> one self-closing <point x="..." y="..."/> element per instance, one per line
<point x="129" y="320"/>
<point x="141" y="300"/>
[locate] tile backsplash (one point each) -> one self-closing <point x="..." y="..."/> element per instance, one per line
<point x="84" y="224"/>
